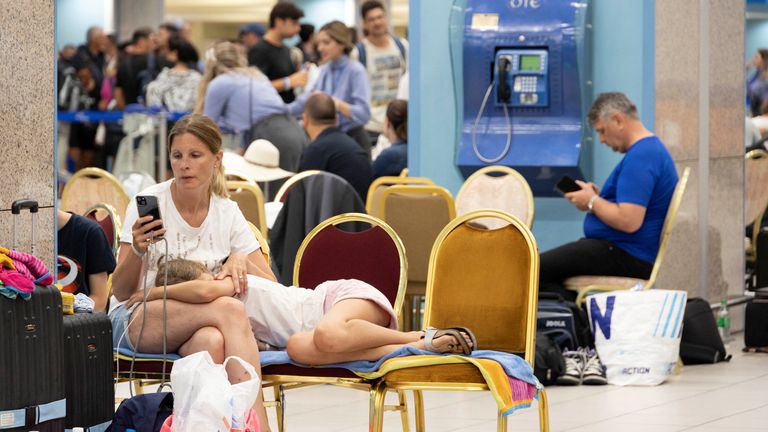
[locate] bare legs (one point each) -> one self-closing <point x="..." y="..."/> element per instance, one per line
<point x="220" y="327"/>
<point x="354" y="329"/>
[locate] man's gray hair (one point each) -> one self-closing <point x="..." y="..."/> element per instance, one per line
<point x="90" y="34"/>
<point x="609" y="103"/>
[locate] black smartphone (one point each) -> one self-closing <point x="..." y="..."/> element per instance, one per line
<point x="567" y="184"/>
<point x="147" y="205"/>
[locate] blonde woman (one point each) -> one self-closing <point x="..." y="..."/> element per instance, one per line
<point x="243" y="99"/>
<point x="198" y="222"/>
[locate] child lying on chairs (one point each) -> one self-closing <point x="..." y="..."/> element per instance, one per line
<point x="339" y="321"/>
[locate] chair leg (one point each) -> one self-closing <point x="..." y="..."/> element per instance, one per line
<point x="280" y="406"/>
<point x="543" y="411"/>
<point x="138" y="387"/>
<point x="418" y="410"/>
<point x="403" y="408"/>
<point x="376" y="410"/>
<point x="501" y="423"/>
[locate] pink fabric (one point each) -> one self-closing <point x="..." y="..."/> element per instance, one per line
<point x="38" y="272"/>
<point x="338" y="290"/>
<point x="12" y="278"/>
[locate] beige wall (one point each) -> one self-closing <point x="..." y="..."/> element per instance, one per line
<point x="26" y="118"/>
<point x="706" y="252"/>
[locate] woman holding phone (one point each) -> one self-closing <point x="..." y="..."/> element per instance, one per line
<point x="198" y="222"/>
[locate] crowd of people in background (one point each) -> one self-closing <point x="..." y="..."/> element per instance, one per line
<point x="255" y="85"/>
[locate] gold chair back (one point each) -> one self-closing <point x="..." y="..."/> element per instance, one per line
<point x="109" y="221"/>
<point x="417" y="213"/>
<point x="90" y="186"/>
<point x="250" y="199"/>
<point x="280" y="196"/>
<point x="487" y="280"/>
<point x="669" y="223"/>
<point x="496" y="187"/>
<point x="262" y="242"/>
<point x="381" y="183"/>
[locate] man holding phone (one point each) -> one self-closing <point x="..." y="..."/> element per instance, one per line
<point x="624" y="220"/>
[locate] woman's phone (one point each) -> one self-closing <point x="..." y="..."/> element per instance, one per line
<point x="567" y="184"/>
<point x="147" y="205"/>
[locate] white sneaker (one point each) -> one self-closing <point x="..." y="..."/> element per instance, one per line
<point x="574" y="367"/>
<point x="594" y="371"/>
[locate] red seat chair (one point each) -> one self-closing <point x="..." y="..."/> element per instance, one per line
<point x="375" y="255"/>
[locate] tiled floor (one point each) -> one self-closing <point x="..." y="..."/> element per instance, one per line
<point x="726" y="397"/>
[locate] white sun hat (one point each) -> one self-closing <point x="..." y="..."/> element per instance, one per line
<point x="261" y="162"/>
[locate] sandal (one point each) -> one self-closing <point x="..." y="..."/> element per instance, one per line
<point x="432" y="333"/>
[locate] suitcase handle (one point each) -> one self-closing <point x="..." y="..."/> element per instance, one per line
<point x="19" y="205"/>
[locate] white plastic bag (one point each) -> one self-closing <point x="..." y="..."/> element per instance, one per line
<point x="637" y="334"/>
<point x="204" y="400"/>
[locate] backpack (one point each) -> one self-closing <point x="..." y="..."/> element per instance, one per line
<point x="145" y="412"/>
<point x="565" y="322"/>
<point x="700" y="342"/>
<point x="549" y="362"/>
<point x="72" y="94"/>
<point x="361" y="56"/>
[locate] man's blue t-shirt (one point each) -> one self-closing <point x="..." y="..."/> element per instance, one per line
<point x="646" y="177"/>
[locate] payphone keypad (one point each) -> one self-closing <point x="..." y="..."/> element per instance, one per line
<point x="528" y="73"/>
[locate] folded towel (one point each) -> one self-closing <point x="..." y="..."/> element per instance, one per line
<point x="509" y="377"/>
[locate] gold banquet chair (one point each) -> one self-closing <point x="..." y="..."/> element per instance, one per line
<point x="250" y="199"/>
<point x="90" y="186"/>
<point x="755" y="196"/>
<point x="417" y="213"/>
<point x="374" y="255"/>
<point x="586" y="284"/>
<point x="496" y="187"/>
<point x="483" y="279"/>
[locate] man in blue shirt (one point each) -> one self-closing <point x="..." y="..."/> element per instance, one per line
<point x="622" y="229"/>
<point x="623" y="226"/>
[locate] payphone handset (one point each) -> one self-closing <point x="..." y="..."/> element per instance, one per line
<point x="523" y="77"/>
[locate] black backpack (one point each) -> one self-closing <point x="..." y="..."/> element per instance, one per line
<point x="549" y="362"/>
<point x="565" y="322"/>
<point x="700" y="342"/>
<point x="145" y="412"/>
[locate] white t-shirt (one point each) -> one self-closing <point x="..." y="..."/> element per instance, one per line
<point x="385" y="66"/>
<point x="276" y="311"/>
<point x="224" y="231"/>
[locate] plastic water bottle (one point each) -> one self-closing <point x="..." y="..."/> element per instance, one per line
<point x="724" y="321"/>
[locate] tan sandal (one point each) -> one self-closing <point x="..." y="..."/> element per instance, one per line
<point x="459" y="333"/>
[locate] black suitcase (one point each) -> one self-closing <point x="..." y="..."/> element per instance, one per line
<point x="761" y="259"/>
<point x="87" y="369"/>
<point x="756" y="321"/>
<point x="31" y="382"/>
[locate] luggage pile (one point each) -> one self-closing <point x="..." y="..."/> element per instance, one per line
<point x="57" y="373"/>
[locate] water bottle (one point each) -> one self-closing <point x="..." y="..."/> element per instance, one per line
<point x="724" y="321"/>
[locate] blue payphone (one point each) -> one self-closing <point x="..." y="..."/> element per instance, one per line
<point x="523" y="71"/>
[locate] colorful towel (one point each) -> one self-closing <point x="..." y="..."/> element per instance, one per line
<point x="509" y="377"/>
<point x="30" y="266"/>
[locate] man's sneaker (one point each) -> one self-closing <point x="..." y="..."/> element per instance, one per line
<point x="574" y="366"/>
<point x="594" y="371"/>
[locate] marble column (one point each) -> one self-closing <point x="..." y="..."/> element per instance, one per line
<point x="700" y="117"/>
<point x="27" y="76"/>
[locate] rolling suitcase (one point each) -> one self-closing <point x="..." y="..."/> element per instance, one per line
<point x="756" y="321"/>
<point x="87" y="370"/>
<point x="32" y="385"/>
